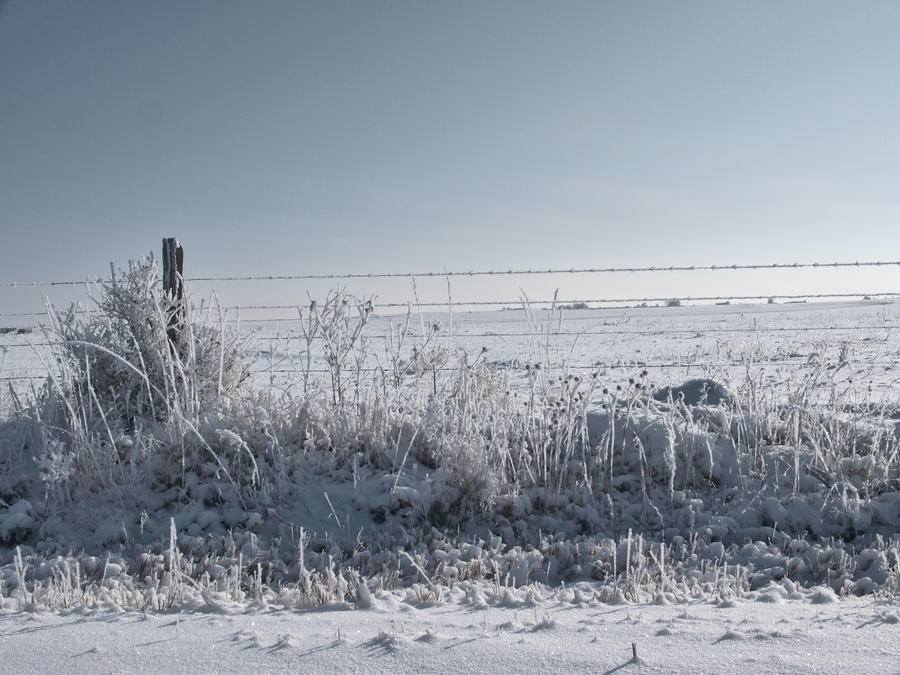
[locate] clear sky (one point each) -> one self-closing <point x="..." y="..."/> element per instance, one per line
<point x="380" y="135"/>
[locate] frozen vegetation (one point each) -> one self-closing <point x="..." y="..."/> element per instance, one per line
<point x="154" y="476"/>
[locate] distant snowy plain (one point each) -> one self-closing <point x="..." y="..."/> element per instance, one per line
<point x="858" y="339"/>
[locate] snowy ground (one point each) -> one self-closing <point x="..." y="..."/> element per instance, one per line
<point x="763" y="623"/>
<point x="860" y="340"/>
<point x="676" y="342"/>
<point x="787" y="636"/>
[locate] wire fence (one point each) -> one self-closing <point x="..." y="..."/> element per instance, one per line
<point x="509" y="272"/>
<point x="466" y="333"/>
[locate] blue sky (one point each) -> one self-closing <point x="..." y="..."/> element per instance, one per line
<point x="290" y="137"/>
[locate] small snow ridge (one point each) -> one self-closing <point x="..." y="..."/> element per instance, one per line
<point x="544" y="624"/>
<point x="697" y="391"/>
<point x="729" y="635"/>
<point x="427" y="637"/>
<point x="242" y="635"/>
<point x="285" y="641"/>
<point x="822" y="595"/>
<point x="770" y="597"/>
<point x="383" y="643"/>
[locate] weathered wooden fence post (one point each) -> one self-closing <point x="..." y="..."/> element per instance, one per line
<point x="173" y="286"/>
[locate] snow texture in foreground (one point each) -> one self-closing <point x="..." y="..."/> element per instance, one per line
<point x="555" y="635"/>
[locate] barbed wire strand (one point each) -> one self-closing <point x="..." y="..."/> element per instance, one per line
<point x="550" y="271"/>
<point x="508" y="272"/>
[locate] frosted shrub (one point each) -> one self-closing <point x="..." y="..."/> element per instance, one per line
<point x="122" y="390"/>
<point x="124" y="351"/>
<point x="339" y="322"/>
<point x="467" y="483"/>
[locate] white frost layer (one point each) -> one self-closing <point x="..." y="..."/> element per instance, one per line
<point x="793" y="636"/>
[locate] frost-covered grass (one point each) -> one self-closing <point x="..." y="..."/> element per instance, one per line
<point x="153" y="474"/>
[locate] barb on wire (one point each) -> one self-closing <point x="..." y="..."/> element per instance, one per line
<point x="34" y="284"/>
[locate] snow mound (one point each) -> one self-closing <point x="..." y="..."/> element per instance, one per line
<point x="696" y="392"/>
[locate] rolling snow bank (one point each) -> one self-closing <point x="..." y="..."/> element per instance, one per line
<point x="153" y="475"/>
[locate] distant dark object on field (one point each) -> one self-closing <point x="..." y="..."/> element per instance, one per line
<point x="699" y="390"/>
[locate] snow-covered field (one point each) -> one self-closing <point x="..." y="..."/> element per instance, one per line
<point x="512" y="490"/>
<point x="860" y="340"/>
<point x="854" y="635"/>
